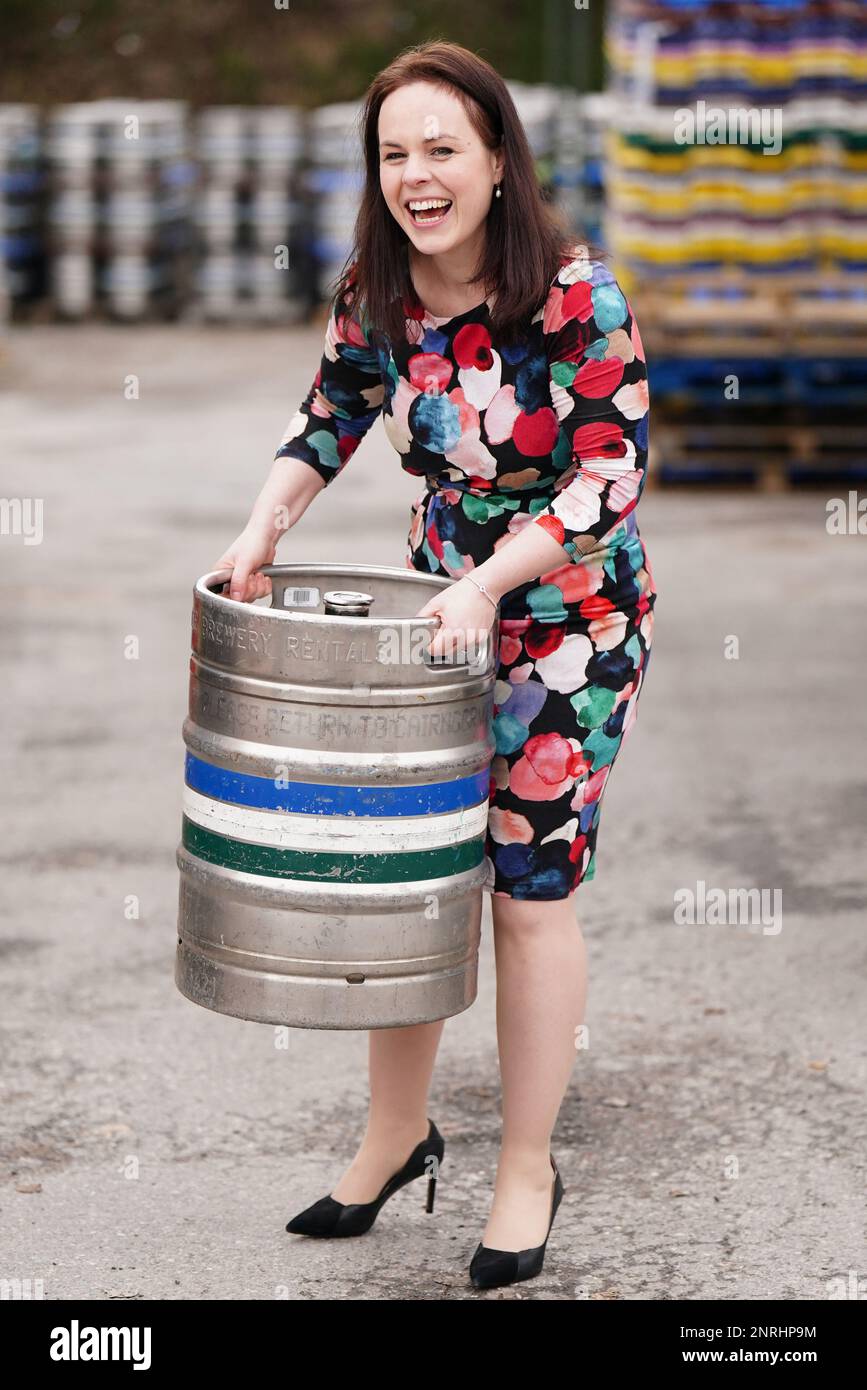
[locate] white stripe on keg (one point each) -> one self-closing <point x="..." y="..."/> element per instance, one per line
<point x="356" y="834"/>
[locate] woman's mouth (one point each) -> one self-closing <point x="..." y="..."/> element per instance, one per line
<point x="428" y="212"/>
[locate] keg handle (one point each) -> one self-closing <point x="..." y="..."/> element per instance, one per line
<point x="218" y="581"/>
<point x="354" y="603"/>
<point x="351" y="603"/>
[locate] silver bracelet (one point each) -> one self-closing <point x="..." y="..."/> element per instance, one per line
<point x="482" y="589"/>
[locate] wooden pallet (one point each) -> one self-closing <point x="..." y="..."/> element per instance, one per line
<point x="794" y="314"/>
<point x="772" y="457"/>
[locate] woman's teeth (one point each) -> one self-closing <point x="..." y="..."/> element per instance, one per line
<point x="428" y="211"/>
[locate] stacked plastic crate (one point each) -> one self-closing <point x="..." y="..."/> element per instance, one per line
<point x="737" y="210"/>
<point x="249" y="214"/>
<point x="120" y="187"/>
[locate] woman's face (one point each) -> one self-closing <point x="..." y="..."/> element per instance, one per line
<point x="429" y="150"/>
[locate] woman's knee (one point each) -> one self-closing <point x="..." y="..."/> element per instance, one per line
<point x="525" y="917"/>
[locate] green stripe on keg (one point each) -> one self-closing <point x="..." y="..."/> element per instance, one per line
<point x="322" y="866"/>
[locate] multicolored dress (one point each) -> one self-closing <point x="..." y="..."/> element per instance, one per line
<point x="550" y="432"/>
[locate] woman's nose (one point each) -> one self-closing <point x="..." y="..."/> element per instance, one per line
<point x="414" y="169"/>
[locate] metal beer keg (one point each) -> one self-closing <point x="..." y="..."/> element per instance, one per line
<point x="335" y="803"/>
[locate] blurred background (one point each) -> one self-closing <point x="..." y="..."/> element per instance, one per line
<point x="235" y="200"/>
<point x="162" y="305"/>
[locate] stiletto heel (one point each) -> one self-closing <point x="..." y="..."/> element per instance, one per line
<point x="328" y="1217"/>
<point x="491" y="1269"/>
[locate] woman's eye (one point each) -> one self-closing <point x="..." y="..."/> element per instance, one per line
<point x="440" y="149"/>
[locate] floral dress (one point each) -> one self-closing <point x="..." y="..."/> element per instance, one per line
<point x="550" y="432"/>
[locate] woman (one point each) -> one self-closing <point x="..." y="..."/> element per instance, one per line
<point x="509" y="372"/>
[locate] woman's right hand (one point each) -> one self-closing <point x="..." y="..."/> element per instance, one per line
<point x="288" y="492"/>
<point x="255" y="546"/>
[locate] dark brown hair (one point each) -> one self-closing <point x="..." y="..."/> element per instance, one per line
<point x="526" y="239"/>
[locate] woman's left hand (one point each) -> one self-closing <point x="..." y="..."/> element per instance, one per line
<point x="466" y="618"/>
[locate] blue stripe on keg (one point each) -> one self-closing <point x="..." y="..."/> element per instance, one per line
<point x="336" y="798"/>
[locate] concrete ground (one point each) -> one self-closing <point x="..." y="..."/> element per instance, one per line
<point x="712" y="1140"/>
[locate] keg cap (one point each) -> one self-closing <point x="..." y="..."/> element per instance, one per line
<point x="353" y="603"/>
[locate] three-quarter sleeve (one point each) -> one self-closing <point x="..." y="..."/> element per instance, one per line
<point x="344" y="400"/>
<point x="599" y="390"/>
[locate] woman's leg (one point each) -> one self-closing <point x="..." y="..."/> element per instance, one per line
<point x="401" y="1062"/>
<point x="541" y="994"/>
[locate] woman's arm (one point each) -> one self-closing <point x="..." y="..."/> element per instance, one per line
<point x="528" y="555"/>
<point x="287" y="493"/>
<point x="344" y="400"/>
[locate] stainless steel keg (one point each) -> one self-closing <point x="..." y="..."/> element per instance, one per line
<point x="335" y="803"/>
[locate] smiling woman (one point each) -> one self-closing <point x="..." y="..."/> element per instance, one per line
<point x="438" y="125"/>
<point x="436" y="182"/>
<point x="509" y="372"/>
<point x="427" y="211"/>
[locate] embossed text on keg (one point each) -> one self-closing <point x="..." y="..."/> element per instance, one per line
<point x="389" y="648"/>
<point x="244" y="639"/>
<point x="252" y="717"/>
<point x="322" y="648"/>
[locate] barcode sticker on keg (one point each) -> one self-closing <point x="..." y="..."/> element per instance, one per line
<point x="300" y="598"/>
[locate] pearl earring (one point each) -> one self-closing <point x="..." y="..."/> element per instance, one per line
<point x="499" y="192"/>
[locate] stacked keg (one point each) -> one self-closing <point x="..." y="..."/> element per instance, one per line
<point x="250" y="213"/>
<point x="566" y="133"/>
<point x="22" y="178"/>
<point x="536" y="105"/>
<point x="275" y="213"/>
<point x="334" y="184"/>
<point x="120" y="188"/>
<point x="580" y="133"/>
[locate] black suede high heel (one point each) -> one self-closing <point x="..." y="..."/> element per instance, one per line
<point x="491" y="1269"/>
<point x="328" y="1217"/>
